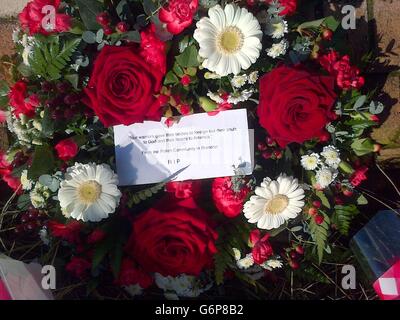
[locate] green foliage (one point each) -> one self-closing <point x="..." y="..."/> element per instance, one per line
<point x="363" y="146"/>
<point x="23" y="201"/>
<point x="188" y="58"/>
<point x="146" y="194"/>
<point x="50" y="59"/>
<point x="319" y="233"/>
<point x="343" y="216"/>
<point x="43" y="162"/>
<point x="324" y="199"/>
<point x="3" y="94"/>
<point x="88" y="10"/>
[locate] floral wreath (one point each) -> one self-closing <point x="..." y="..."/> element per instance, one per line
<point x="98" y="64"/>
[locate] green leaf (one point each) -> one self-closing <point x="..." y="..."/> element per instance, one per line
<point x="324" y="199"/>
<point x="43" y="162"/>
<point x="362" y="146"/>
<point x="4" y="88"/>
<point x="171" y="78"/>
<point x="48" y="124"/>
<point x="116" y="259"/>
<point x="133" y="36"/>
<point x="343" y="216"/>
<point x="124" y="11"/>
<point x="23" y="201"/>
<point x="362" y="200"/>
<point x="360" y="102"/>
<point x="88" y="10"/>
<point x="207" y="104"/>
<point x="331" y="23"/>
<point x="376" y="107"/>
<point x="73" y="79"/>
<point x="149" y="7"/>
<point x="311" y="24"/>
<point x="320" y="235"/>
<point x="89" y="37"/>
<point x="101" y="250"/>
<point x="188" y="58"/>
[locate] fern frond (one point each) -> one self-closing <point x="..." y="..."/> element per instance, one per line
<point x="343" y="216"/>
<point x="319" y="233"/>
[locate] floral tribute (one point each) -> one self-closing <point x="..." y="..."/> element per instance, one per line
<point x="98" y="64"/>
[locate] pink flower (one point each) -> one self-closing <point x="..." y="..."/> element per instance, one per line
<point x="67" y="149"/>
<point x="31" y="17"/>
<point x="184" y="189"/>
<point x="262" y="249"/>
<point x="178" y="14"/>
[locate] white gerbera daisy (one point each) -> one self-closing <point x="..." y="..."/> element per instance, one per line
<point x="332" y="156"/>
<point x="276" y="28"/>
<point x="239" y="81"/>
<point x="325" y="176"/>
<point x="89" y="192"/>
<point x="278" y="49"/>
<point x="310" y="161"/>
<point x="275" y="202"/>
<point x="229" y="39"/>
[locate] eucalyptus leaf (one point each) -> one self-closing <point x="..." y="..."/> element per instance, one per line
<point x="376" y="107"/>
<point x="360" y="102"/>
<point x="89" y="37"/>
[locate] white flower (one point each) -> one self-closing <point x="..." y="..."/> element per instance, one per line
<point x="182" y="285"/>
<point x="253" y="77"/>
<point x="325" y="176"/>
<point x="311" y="161"/>
<point x="39" y="195"/>
<point x="236" y="253"/>
<point x="332" y="156"/>
<point x="278" y="49"/>
<point x="44" y="236"/>
<point x="276" y="28"/>
<point x="271" y="264"/>
<point x="134" y="290"/>
<point x="215" y="97"/>
<point x="229" y="39"/>
<point x="89" y="192"/>
<point x="246" y="262"/>
<point x="242" y="96"/>
<point x="25" y="182"/>
<point x="275" y="202"/>
<point x="239" y="81"/>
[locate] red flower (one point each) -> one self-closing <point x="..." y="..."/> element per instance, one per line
<point x="69" y="232"/>
<point x="6" y="169"/>
<point x="228" y="202"/>
<point x="289" y="7"/>
<point x="130" y="274"/>
<point x="153" y="50"/>
<point x="67" y="149"/>
<point x="96" y="236"/>
<point x="359" y="176"/>
<point x="173" y="238"/>
<point x="184" y="189"/>
<point x="21" y="102"/>
<point x="178" y="14"/>
<point x="78" y="267"/>
<point x="262" y="249"/>
<point x="31" y="17"/>
<point x="185" y="81"/>
<point x="347" y="76"/>
<point x="123" y="86"/>
<point x="295" y="105"/>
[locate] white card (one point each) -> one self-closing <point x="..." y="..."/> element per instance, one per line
<point x="199" y="146"/>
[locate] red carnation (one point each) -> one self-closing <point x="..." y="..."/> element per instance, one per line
<point x="347" y="76"/>
<point x="67" y="149"/>
<point x="78" y="267"/>
<point x="178" y="14"/>
<point x="172" y="238"/>
<point x="123" y="87"/>
<point x="262" y="249"/>
<point x="359" y="176"/>
<point x="32" y="17"/>
<point x="21" y="101"/>
<point x="131" y="274"/>
<point x="184" y="189"/>
<point x="295" y="104"/>
<point x="69" y="232"/>
<point x="153" y="50"/>
<point x="6" y="170"/>
<point x="228" y="201"/>
<point x="289" y="7"/>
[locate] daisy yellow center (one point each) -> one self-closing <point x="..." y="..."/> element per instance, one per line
<point x="277" y="204"/>
<point x="230" y="40"/>
<point x="89" y="192"/>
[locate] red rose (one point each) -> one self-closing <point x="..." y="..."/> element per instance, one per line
<point x="153" y="50"/>
<point x="67" y="149"/>
<point x="347" y="76"/>
<point x="78" y="267"/>
<point x="184" y="189"/>
<point x="358" y="176"/>
<point x="173" y="238"/>
<point x="289" y="7"/>
<point x="130" y="275"/>
<point x="227" y="201"/>
<point x="21" y="101"/>
<point x="178" y="14"/>
<point x="122" y="87"/>
<point x="31" y="17"/>
<point x="295" y="105"/>
<point x="262" y="249"/>
<point x="69" y="232"/>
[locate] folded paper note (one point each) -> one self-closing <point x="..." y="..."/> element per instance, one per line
<point x="198" y="146"/>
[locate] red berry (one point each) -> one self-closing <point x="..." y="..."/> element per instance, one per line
<point x="251" y="3"/>
<point x="271" y="142"/>
<point x="108" y="30"/>
<point x="348" y="193"/>
<point x="30" y="226"/>
<point x="63" y="87"/>
<point x="122" y="27"/>
<point x="266" y="155"/>
<point x="19" y="229"/>
<point x="278" y="154"/>
<point x="47" y="86"/>
<point x="103" y="19"/>
<point x="319" y="219"/>
<point x="299" y="249"/>
<point x="262" y="146"/>
<point x="24" y="218"/>
<point x="186" y="80"/>
<point x="327" y="34"/>
<point x="313" y="211"/>
<point x="294" y="264"/>
<point x="374" y="117"/>
<point x="317" y="204"/>
<point x="293" y="254"/>
<point x="33" y="214"/>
